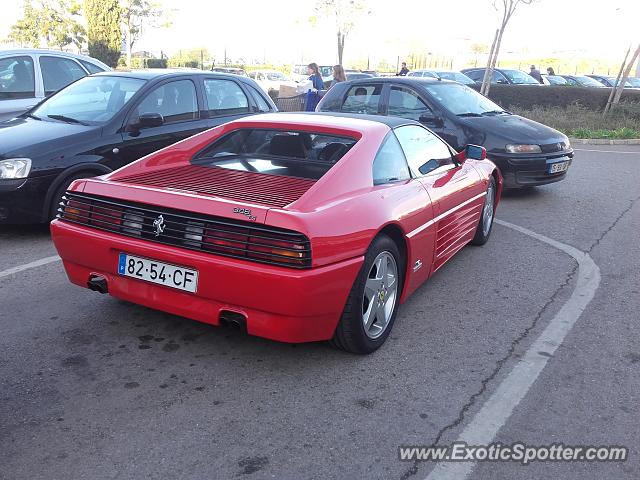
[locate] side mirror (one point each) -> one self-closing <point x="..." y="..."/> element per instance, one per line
<point x="431" y="119"/>
<point x="150" y="120"/>
<point x="474" y="152"/>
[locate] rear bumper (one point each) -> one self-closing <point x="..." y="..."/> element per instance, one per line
<point x="278" y="303"/>
<point x="529" y="171"/>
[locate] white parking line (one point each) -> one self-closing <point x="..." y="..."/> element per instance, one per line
<point x="603" y="151"/>
<point x="485" y="424"/>
<point x="27" y="266"/>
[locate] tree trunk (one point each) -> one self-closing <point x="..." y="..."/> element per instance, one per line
<point x="625" y="75"/>
<point x="494" y="59"/>
<point x="129" y="45"/>
<point x="487" y="73"/>
<point x="340" y="46"/>
<point x="618" y="84"/>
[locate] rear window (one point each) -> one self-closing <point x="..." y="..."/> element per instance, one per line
<point x="276" y="152"/>
<point x="362" y="99"/>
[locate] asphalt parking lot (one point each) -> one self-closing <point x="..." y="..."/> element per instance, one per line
<point x="92" y="388"/>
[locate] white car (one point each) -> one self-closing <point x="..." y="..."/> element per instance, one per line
<point x="299" y="73"/>
<point x="29" y="75"/>
<point x="271" y="79"/>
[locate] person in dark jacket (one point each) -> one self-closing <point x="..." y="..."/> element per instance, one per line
<point x="403" y="71"/>
<point x="535" y="73"/>
<point x="317" y="84"/>
<point x="550" y="71"/>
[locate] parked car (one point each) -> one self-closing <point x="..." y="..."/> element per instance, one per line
<point x="582" y="81"/>
<point x="228" y="224"/>
<point x="502" y="75"/>
<point x="608" y="81"/>
<point x="443" y="74"/>
<point x="527" y="153"/>
<point x="105" y="121"/>
<point x="231" y="70"/>
<point x="270" y="79"/>
<point x="29" y="75"/>
<point x="351" y="75"/>
<point x="634" y="82"/>
<point x="299" y="73"/>
<point x="554" y="80"/>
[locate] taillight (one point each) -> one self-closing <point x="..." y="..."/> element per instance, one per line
<point x="76" y="211"/>
<point x="105" y="216"/>
<point x="276" y="250"/>
<point x="229" y="240"/>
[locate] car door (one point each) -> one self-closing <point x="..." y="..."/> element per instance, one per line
<point x="58" y="72"/>
<point x="17" y="85"/>
<point x="225" y="100"/>
<point x="403" y="101"/>
<point x="178" y="102"/>
<point x="456" y="191"/>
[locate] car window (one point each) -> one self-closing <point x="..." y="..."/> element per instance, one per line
<point x="92" y="100"/>
<point x="362" y="99"/>
<point x="424" y="151"/>
<point x="520" y="78"/>
<point x="92" y="68"/>
<point x="406" y="103"/>
<point x="59" y="72"/>
<point x="475" y="75"/>
<point x="461" y="100"/>
<point x="176" y="101"/>
<point x="17" y="78"/>
<point x="496" y="77"/>
<point x="263" y="106"/>
<point x="390" y="164"/>
<point x="225" y="97"/>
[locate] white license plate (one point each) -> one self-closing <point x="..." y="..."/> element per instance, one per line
<point x="158" y="272"/>
<point x="558" y="167"/>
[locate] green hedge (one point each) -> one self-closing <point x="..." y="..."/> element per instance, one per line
<point x="148" y="63"/>
<point x="530" y="96"/>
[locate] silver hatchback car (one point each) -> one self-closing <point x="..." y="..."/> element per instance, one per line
<point x="29" y="75"/>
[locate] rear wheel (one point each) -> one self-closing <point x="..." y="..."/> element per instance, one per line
<point x="486" y="218"/>
<point x="62" y="189"/>
<point x="371" y="307"/>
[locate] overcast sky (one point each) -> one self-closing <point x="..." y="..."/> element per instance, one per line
<point x="279" y="30"/>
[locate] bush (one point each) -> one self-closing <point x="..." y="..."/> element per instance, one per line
<point x="148" y="63"/>
<point x="577" y="121"/>
<point x="530" y="96"/>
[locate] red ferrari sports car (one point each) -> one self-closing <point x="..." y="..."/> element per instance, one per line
<point x="297" y="227"/>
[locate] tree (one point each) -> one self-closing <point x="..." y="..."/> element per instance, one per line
<point x="26" y="31"/>
<point x="621" y="79"/>
<point x="103" y="30"/>
<point x="507" y="7"/>
<point x="59" y="23"/>
<point x="135" y="14"/>
<point x="344" y="13"/>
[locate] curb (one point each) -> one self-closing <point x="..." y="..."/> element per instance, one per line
<point x="604" y="141"/>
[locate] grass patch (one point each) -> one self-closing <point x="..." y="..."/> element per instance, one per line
<point x="576" y="121"/>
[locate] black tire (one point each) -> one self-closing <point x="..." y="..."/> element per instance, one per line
<point x="482" y="234"/>
<point x="61" y="190"/>
<point x="350" y="333"/>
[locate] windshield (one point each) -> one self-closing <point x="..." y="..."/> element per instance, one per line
<point x="587" y="81"/>
<point x="633" y="81"/>
<point x="275" y="76"/>
<point x="90" y="100"/>
<point x="518" y="77"/>
<point x="556" y="80"/>
<point x="326" y="71"/>
<point x="456" y="77"/>
<point x="461" y="100"/>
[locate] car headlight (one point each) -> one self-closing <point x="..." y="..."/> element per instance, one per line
<point x="15" y="168"/>
<point x="523" y="149"/>
<point x="566" y="144"/>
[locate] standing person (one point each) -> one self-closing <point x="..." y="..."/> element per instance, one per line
<point x="317" y="84"/>
<point x="550" y="71"/>
<point x="403" y="71"/>
<point x="535" y="73"/>
<point x="338" y="75"/>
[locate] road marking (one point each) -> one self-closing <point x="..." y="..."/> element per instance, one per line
<point x="27" y="266"/>
<point x="603" y="151"/>
<point x="485" y="424"/>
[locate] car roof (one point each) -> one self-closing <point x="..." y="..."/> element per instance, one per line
<point x="152" y="73"/>
<point x="331" y="119"/>
<point x="45" y="51"/>
<point x="399" y="79"/>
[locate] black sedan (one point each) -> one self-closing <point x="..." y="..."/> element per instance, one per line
<point x="504" y="76"/>
<point x="582" y="81"/>
<point x="528" y="153"/>
<point x="105" y="121"/>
